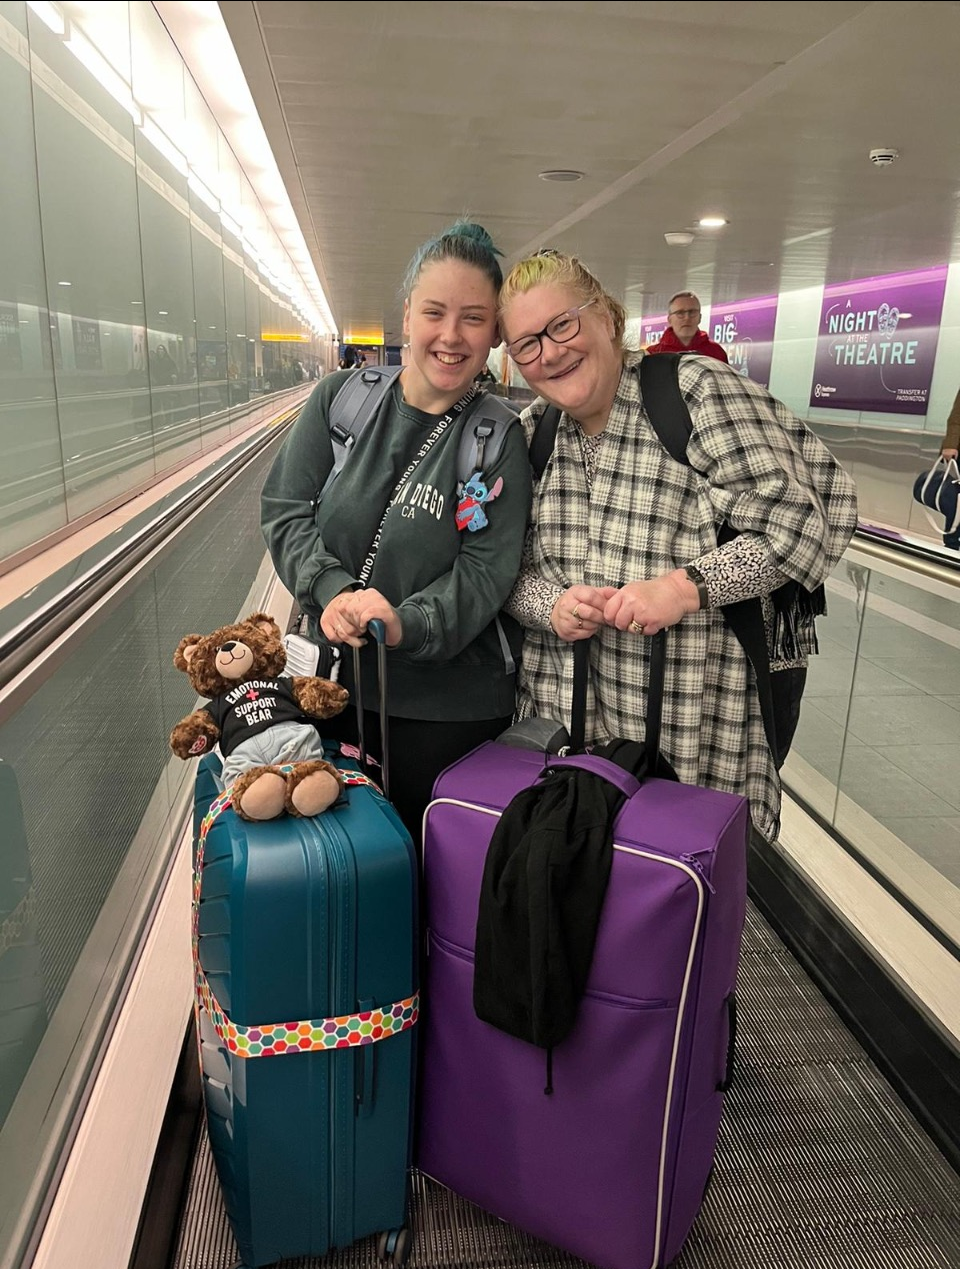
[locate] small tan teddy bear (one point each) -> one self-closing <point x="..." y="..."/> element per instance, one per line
<point x="262" y="721"/>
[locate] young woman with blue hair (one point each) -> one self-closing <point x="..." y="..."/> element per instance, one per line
<point x="386" y="540"/>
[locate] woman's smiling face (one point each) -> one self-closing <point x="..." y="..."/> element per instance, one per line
<point x="450" y="320"/>
<point x="580" y="375"/>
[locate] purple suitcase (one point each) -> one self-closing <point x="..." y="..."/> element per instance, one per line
<point x="614" y="1164"/>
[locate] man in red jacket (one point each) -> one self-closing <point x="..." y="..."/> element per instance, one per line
<point x="684" y="334"/>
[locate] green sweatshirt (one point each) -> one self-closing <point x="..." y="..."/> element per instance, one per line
<point x="447" y="585"/>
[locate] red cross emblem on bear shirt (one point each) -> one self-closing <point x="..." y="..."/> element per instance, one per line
<point x="252" y="695"/>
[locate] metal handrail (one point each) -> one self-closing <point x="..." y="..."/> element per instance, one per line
<point x="32" y="636"/>
<point x="912" y="557"/>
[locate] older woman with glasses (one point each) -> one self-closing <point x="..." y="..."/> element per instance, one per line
<point x="623" y="539"/>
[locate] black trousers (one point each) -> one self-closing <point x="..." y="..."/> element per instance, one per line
<point x="787" y="688"/>
<point x="419" y="751"/>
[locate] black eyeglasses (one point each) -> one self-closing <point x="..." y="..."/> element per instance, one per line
<point x="560" y="329"/>
<point x="685" y="312"/>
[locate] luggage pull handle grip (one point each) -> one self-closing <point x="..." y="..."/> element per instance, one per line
<point x="378" y="632"/>
<point x="581" y="674"/>
<point x="620" y="779"/>
<point x="727" y="1080"/>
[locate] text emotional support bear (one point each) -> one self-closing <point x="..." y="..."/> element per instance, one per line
<point x="262" y="721"/>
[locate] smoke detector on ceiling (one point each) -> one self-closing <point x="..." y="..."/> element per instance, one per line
<point x="679" y="238"/>
<point x="884" y="156"/>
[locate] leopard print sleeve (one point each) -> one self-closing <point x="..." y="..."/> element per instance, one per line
<point x="739" y="569"/>
<point x="532" y="599"/>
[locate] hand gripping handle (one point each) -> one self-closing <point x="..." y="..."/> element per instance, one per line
<point x="378" y="632"/>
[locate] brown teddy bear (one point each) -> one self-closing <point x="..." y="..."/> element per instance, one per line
<point x="261" y="720"/>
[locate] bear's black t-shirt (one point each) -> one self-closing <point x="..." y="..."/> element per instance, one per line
<point x="252" y="707"/>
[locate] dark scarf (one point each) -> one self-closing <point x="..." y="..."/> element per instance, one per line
<point x="544" y="884"/>
<point x="794" y="631"/>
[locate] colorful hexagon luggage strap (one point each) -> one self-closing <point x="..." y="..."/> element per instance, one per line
<point x="274" y="1038"/>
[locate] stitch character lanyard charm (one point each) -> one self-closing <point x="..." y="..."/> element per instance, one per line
<point x="470" y="514"/>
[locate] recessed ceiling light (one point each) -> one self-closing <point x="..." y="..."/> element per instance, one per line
<point x="64" y="284"/>
<point x="679" y="238"/>
<point x="561" y="174"/>
<point x="712" y="222"/>
<point x="162" y="313"/>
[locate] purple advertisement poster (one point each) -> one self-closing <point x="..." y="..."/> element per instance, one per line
<point x="651" y="329"/>
<point x="877" y="343"/>
<point x="745" y="329"/>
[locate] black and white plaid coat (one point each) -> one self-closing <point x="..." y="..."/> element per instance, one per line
<point x="753" y="464"/>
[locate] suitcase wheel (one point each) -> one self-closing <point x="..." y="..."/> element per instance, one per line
<point x="393" y="1247"/>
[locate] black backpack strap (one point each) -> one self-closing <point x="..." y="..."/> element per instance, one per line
<point x="543" y="440"/>
<point x="663" y="401"/>
<point x="745" y="619"/>
<point x="483" y="435"/>
<point x="352" y="409"/>
<point x="668" y="414"/>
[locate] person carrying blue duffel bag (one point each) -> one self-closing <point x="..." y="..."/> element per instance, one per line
<point x="937" y="490"/>
<point x="951" y="443"/>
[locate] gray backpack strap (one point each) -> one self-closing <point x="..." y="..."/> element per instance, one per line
<point x="351" y="410"/>
<point x="508" y="662"/>
<point x="481" y="441"/>
<point x="481" y="444"/>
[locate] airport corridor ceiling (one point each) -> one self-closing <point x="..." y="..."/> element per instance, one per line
<point x="389" y="120"/>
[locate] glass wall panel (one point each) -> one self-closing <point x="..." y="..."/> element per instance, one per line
<point x="138" y="269"/>
<point x="251" y="299"/>
<point x="210" y="350"/>
<point x="233" y="280"/>
<point x="167" y="312"/>
<point x="32" y="499"/>
<point x="254" y="231"/>
<point x="901" y="757"/>
<point x="813" y="769"/>
<point x="877" y="747"/>
<point x="88" y="197"/>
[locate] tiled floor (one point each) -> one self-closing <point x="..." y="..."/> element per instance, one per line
<point x="880" y="714"/>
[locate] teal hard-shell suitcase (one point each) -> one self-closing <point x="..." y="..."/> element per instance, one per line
<point x="306" y="935"/>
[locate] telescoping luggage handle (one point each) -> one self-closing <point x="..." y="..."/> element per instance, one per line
<point x="378" y="632"/>
<point x="623" y="780"/>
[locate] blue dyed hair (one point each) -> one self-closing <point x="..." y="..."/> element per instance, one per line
<point x="462" y="241"/>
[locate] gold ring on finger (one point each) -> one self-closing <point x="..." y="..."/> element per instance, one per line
<point x="635" y="627"/>
<point x="576" y="611"/>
